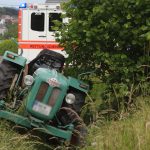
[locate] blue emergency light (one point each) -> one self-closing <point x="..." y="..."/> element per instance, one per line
<point x="23" y="5"/>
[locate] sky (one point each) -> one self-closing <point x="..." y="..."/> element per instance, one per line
<point x="15" y="3"/>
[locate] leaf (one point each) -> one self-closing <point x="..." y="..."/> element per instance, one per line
<point x="148" y="35"/>
<point x="129" y="16"/>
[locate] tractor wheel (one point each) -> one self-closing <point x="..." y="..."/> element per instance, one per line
<point x="67" y="116"/>
<point x="7" y="74"/>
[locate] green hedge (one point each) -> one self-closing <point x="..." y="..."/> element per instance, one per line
<point x="112" y="37"/>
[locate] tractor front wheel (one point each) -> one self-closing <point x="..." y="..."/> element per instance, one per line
<point x="66" y="116"/>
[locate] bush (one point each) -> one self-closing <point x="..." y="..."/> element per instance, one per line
<point x="113" y="37"/>
<point x="8" y="45"/>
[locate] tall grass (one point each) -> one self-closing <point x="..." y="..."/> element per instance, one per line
<point x="131" y="133"/>
<point x="11" y="139"/>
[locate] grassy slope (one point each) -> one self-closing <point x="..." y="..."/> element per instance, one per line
<point x="131" y="133"/>
<point x="11" y="139"/>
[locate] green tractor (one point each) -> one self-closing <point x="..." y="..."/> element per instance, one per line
<point x="38" y="96"/>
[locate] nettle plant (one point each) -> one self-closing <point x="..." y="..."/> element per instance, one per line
<point x="114" y="37"/>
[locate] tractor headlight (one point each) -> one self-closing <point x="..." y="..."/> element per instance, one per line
<point x="28" y="80"/>
<point x="70" y="98"/>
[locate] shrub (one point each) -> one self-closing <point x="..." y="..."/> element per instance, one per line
<point x="8" y="45"/>
<point x="113" y="37"/>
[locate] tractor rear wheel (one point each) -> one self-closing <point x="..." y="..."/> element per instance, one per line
<point x="7" y="74"/>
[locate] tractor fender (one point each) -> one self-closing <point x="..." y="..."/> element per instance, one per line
<point x="78" y="84"/>
<point x="14" y="58"/>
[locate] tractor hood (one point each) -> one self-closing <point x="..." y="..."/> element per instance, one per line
<point x="47" y="93"/>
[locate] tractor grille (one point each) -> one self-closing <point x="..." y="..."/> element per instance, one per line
<point x="52" y="96"/>
<point x="42" y="91"/>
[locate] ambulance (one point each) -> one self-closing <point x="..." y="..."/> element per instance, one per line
<point x="35" y="28"/>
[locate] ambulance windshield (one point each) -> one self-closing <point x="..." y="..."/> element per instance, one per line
<point x="52" y="18"/>
<point x="37" y="21"/>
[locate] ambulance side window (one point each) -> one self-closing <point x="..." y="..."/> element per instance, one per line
<point x="53" y="17"/>
<point x="37" y="21"/>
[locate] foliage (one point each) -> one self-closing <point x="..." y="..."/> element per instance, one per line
<point x="12" y="31"/>
<point x="129" y="133"/>
<point x="113" y="37"/>
<point x="8" y="45"/>
<point x="12" y="140"/>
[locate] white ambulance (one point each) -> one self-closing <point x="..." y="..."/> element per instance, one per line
<point x="35" y="28"/>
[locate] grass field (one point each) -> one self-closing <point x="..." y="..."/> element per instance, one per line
<point x="11" y="139"/>
<point x="131" y="132"/>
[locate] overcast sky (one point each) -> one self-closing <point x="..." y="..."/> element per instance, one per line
<point x="16" y="3"/>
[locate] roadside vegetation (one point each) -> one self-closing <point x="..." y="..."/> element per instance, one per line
<point x="129" y="132"/>
<point x="111" y="38"/>
<point x="8" y="45"/>
<point x="7" y="40"/>
<point x="12" y="30"/>
<point x="12" y="139"/>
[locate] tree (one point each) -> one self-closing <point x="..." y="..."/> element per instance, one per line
<point x="8" y="11"/>
<point x="113" y="34"/>
<point x="12" y="31"/>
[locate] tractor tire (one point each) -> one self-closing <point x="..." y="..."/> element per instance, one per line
<point x="7" y="74"/>
<point x="67" y="116"/>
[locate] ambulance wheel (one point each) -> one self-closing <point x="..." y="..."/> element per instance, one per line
<point x="67" y="116"/>
<point x="7" y="74"/>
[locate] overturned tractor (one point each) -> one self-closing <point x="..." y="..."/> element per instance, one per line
<point x="39" y="96"/>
